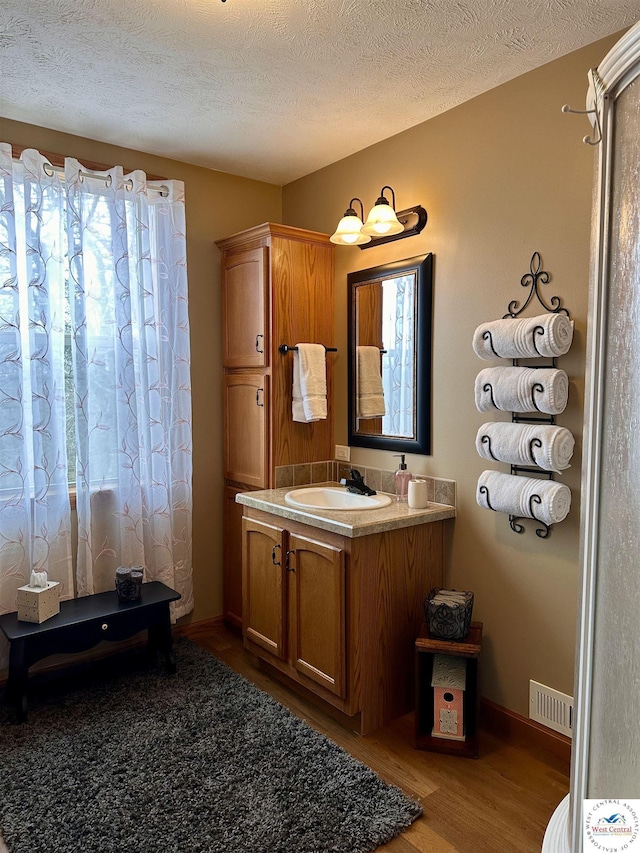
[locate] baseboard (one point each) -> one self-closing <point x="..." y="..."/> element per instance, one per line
<point x="552" y="747"/>
<point x="193" y="630"/>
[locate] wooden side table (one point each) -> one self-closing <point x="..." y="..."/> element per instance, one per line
<point x="81" y="624"/>
<point x="426" y="648"/>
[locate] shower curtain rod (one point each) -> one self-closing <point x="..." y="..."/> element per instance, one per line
<point x="597" y="85"/>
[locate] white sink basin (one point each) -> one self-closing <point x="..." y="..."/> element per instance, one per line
<point x="332" y="498"/>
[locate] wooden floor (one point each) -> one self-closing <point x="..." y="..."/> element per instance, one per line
<point x="499" y="803"/>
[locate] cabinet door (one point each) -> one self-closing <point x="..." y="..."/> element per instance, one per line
<point x="232" y="557"/>
<point x="246" y="397"/>
<point x="317" y="612"/>
<point x="244" y="306"/>
<point x="263" y="586"/>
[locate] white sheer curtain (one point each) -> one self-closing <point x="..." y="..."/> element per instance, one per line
<point x="34" y="497"/>
<point x="98" y="264"/>
<point x="131" y="364"/>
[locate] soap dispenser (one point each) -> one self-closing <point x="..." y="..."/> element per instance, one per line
<point x="402" y="479"/>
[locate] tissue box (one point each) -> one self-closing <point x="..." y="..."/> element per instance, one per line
<point x="37" y="605"/>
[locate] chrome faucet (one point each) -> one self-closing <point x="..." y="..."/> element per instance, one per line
<point x="356" y="484"/>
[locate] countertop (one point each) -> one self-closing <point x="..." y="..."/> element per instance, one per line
<point x="346" y="522"/>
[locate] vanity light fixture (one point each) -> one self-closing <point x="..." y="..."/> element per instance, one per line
<point x="382" y="220"/>
<point x="349" y="231"/>
<point x="383" y="223"/>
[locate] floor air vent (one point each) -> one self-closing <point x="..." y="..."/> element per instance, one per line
<point x="551" y="708"/>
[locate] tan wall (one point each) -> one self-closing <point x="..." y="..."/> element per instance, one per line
<point x="217" y="205"/>
<point x="501" y="176"/>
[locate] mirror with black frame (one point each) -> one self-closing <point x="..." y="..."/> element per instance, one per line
<point x="389" y="331"/>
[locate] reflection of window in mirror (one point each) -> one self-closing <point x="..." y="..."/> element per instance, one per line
<point x="398" y="363"/>
<point x="390" y="355"/>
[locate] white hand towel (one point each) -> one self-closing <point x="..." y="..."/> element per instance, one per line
<point x="309" y="395"/>
<point x="544" y="500"/>
<point x="547" y="446"/>
<point x="522" y="389"/>
<point x="549" y="335"/>
<point x="370" y="395"/>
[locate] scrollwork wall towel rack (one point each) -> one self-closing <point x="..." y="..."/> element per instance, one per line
<point x="534" y="394"/>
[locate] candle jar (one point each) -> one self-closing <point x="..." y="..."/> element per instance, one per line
<point x="129" y="582"/>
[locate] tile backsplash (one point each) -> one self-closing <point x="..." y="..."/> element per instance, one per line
<point x="302" y="475"/>
<point x="438" y="490"/>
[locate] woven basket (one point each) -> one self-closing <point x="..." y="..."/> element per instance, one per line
<point x="448" y="622"/>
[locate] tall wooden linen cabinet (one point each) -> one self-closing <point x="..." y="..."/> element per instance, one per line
<point x="277" y="288"/>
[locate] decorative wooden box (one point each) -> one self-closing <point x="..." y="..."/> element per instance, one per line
<point x="38" y="604"/>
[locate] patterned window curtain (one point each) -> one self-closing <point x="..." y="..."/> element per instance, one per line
<point x="35" y="515"/>
<point x="398" y="362"/>
<point x="131" y="363"/>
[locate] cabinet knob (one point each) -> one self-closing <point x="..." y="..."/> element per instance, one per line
<point x="257" y="339"/>
<point x="104" y="626"/>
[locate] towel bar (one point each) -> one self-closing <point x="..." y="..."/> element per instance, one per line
<point x="284" y="349"/>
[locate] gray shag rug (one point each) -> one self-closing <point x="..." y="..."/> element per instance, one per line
<point x="198" y="762"/>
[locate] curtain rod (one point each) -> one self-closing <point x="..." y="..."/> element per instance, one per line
<point x="50" y="170"/>
<point x="57" y="160"/>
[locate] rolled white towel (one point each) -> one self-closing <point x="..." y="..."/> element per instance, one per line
<point x="522" y="389"/>
<point x="549" y="335"/>
<point x="527" y="497"/>
<point x="548" y="446"/>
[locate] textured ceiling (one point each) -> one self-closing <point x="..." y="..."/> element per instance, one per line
<point x="273" y="89"/>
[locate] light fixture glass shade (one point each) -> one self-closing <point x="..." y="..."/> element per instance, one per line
<point x="382" y="221"/>
<point x="348" y="232"/>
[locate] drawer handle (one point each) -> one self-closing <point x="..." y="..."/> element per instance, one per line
<point x="104" y="626"/>
<point x="257" y="348"/>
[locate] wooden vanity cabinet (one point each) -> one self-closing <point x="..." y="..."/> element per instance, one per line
<point x="232" y="555"/>
<point x="264" y="584"/>
<point x="277" y="288"/>
<point x="316" y="574"/>
<point x="294" y="601"/>
<point x="337" y="615"/>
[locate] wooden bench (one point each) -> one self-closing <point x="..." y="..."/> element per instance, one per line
<point x="83" y="623"/>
